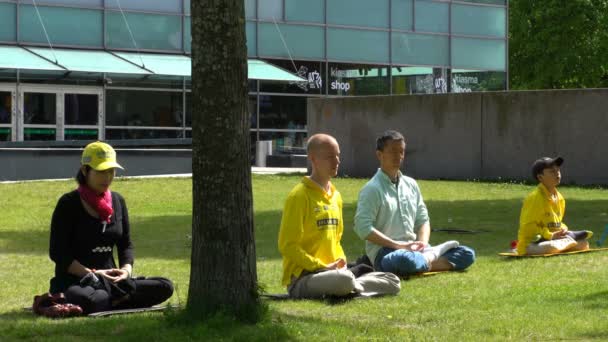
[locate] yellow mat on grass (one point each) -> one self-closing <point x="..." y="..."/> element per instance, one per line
<point x="515" y="255"/>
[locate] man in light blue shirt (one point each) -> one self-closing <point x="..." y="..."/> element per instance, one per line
<point x="393" y="219"/>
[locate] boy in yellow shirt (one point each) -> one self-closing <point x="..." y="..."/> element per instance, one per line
<point x="541" y="230"/>
<point x="314" y="263"/>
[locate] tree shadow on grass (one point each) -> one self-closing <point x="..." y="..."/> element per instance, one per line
<point x="170" y="325"/>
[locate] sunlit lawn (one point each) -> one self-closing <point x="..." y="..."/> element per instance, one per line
<point x="497" y="299"/>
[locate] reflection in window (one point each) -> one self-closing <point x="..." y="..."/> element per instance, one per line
<point x="464" y="81"/>
<point x="6" y="105"/>
<point x="283" y="112"/>
<point x="80" y="134"/>
<point x="38" y="134"/>
<point x="313" y="72"/>
<point x="419" y="80"/>
<point x="5" y="134"/>
<point x="81" y="109"/>
<point x="39" y="108"/>
<point x="357" y="79"/>
<point x="143" y="108"/>
<point x="286" y="142"/>
<point x="143" y="134"/>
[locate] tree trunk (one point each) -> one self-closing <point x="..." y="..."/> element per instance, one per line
<point x="223" y="271"/>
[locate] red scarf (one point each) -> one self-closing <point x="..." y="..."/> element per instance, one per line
<point x="102" y="204"/>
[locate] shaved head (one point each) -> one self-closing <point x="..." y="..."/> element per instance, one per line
<point x="324" y="155"/>
<point x="318" y="141"/>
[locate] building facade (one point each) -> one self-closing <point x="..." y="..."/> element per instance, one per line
<point x="119" y="69"/>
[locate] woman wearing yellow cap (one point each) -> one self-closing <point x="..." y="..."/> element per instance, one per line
<point x="87" y="224"/>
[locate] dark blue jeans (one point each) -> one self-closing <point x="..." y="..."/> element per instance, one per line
<point x="403" y="262"/>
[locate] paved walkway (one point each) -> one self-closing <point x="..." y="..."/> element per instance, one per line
<point x="254" y="170"/>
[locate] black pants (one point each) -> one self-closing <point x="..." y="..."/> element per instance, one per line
<point x="147" y="292"/>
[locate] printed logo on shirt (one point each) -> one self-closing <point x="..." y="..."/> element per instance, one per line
<point x="554" y="224"/>
<point x="328" y="223"/>
<point x="102" y="249"/>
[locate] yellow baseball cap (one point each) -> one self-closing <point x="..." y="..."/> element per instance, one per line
<point x="100" y="156"/>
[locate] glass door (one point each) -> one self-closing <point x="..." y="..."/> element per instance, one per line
<point x="82" y="112"/>
<point x="38" y="113"/>
<point x="60" y="113"/>
<point x="8" y="130"/>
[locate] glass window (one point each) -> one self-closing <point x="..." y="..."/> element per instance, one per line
<point x="358" y="13"/>
<point x="8" y="32"/>
<point x="305" y="11"/>
<point x="285" y="143"/>
<point x="187" y="34"/>
<point x="406" y="80"/>
<point x="357" y="45"/>
<point x="5" y="134"/>
<point x="6" y="107"/>
<point x="270" y="10"/>
<point x="302" y="41"/>
<point x="478" y="54"/>
<point x="38" y="134"/>
<point x="61" y="24"/>
<point x="81" y="109"/>
<point x="420" y="80"/>
<point x="464" y="81"/>
<point x="493" y="2"/>
<point x="478" y="20"/>
<point x="314" y="72"/>
<point x="401" y="14"/>
<point x="284" y="112"/>
<point x="39" y="108"/>
<point x="357" y="79"/>
<point x="76" y="3"/>
<point x="432" y="16"/>
<point x="112" y="133"/>
<point x="422" y="49"/>
<point x="80" y="134"/>
<point x="250" y="9"/>
<point x="168" y="82"/>
<point x="187" y="7"/>
<point x="250" y="31"/>
<point x="167" y="6"/>
<point x="252" y="110"/>
<point x="151" y="31"/>
<point x="143" y="108"/>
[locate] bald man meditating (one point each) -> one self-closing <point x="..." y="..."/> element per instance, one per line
<point x="314" y="263"/>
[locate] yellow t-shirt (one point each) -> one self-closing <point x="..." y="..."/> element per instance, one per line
<point x="311" y="229"/>
<point x="539" y="216"/>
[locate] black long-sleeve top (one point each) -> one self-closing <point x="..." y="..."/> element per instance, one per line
<point x="76" y="235"/>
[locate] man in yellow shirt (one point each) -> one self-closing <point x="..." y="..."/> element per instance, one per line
<point x="541" y="230"/>
<point x="314" y="263"/>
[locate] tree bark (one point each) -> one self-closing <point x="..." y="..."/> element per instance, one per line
<point x="223" y="270"/>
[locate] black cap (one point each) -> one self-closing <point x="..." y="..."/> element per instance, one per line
<point x="544" y="163"/>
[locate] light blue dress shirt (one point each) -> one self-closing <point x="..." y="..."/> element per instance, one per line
<point x="398" y="211"/>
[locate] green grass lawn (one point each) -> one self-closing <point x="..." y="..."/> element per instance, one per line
<point x="559" y="298"/>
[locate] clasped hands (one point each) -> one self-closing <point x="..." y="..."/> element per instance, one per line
<point x="113" y="274"/>
<point x="339" y="264"/>
<point x="414" y="246"/>
<point x="560" y="233"/>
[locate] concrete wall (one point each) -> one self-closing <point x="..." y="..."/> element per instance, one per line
<point x="475" y="135"/>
